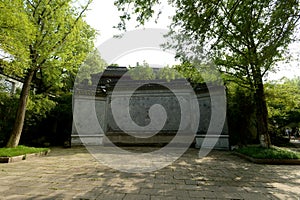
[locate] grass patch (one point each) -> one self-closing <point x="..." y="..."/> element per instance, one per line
<point x="20" y="150"/>
<point x="271" y="153"/>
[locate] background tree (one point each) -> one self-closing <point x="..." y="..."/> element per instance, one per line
<point x="141" y="72"/>
<point x="245" y="38"/>
<point x="57" y="43"/>
<point x="93" y="64"/>
<point x="283" y="100"/>
<point x="199" y="72"/>
<point x="168" y="73"/>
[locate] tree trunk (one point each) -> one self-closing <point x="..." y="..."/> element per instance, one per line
<point x="262" y="116"/>
<point x="20" y="115"/>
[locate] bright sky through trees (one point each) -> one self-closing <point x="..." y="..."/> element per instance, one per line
<point x="103" y="16"/>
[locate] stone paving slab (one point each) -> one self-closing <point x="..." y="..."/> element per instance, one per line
<point x="74" y="174"/>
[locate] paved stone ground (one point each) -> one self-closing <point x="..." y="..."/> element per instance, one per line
<point x="75" y="174"/>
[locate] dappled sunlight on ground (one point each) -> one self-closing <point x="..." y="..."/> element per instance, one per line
<point x="74" y="173"/>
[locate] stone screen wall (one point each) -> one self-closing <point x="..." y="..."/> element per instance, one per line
<point x="139" y="105"/>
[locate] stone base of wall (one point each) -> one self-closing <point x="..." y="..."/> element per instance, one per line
<point x="120" y="139"/>
<point x="127" y="140"/>
<point x="222" y="142"/>
<point x="79" y="140"/>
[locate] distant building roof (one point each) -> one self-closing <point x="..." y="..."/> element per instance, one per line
<point x="110" y="75"/>
<point x="106" y="81"/>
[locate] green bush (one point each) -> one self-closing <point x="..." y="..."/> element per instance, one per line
<point x="47" y="121"/>
<point x="241" y="115"/>
<point x="38" y="109"/>
<point x="278" y="136"/>
<point x="8" y="108"/>
<point x="283" y="99"/>
<point x="271" y="153"/>
<point x="62" y="117"/>
<point x="54" y="126"/>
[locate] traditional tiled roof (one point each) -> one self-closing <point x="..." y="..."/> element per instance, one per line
<point x="106" y="81"/>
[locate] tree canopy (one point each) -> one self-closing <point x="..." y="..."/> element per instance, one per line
<point x="145" y="72"/>
<point x="169" y="73"/>
<point x="141" y="72"/>
<point x="244" y="38"/>
<point x="283" y="99"/>
<point x="15" y="31"/>
<point x="93" y="64"/>
<point x="55" y="41"/>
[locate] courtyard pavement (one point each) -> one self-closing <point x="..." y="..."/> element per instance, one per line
<point x="74" y="174"/>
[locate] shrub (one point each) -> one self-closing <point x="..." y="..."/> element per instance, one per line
<point x="52" y="127"/>
<point x="241" y="116"/>
<point x="271" y="153"/>
<point x="8" y="107"/>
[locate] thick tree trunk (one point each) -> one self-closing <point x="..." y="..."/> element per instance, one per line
<point x="20" y="115"/>
<point x="262" y="116"/>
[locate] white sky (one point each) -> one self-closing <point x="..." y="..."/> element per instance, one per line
<point x="103" y="15"/>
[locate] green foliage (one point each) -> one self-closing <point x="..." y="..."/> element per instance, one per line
<point x="190" y="72"/>
<point x="93" y="64"/>
<point x="8" y="108"/>
<point x="48" y="37"/>
<point x="20" y="150"/>
<point x="271" y="153"/>
<point x="168" y="73"/>
<point x="38" y="107"/>
<point x="63" y="52"/>
<point x="47" y="119"/>
<point x="143" y="8"/>
<point x="58" y="123"/>
<point x="241" y="115"/>
<point x="145" y="72"/>
<point x="58" y="42"/>
<point x="141" y="72"/>
<point x="283" y="99"/>
<point x="63" y="113"/>
<point x="15" y="32"/>
<point x="114" y="65"/>
<point x="198" y="72"/>
<point x="243" y="38"/>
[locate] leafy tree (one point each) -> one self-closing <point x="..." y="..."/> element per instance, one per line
<point x="197" y="72"/>
<point x="168" y="73"/>
<point x="15" y="30"/>
<point x="93" y="64"/>
<point x="55" y="114"/>
<point x="283" y="100"/>
<point x="244" y="38"/>
<point x="37" y="109"/>
<point x="57" y="42"/>
<point x="38" y="106"/>
<point x="8" y="105"/>
<point x="141" y="72"/>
